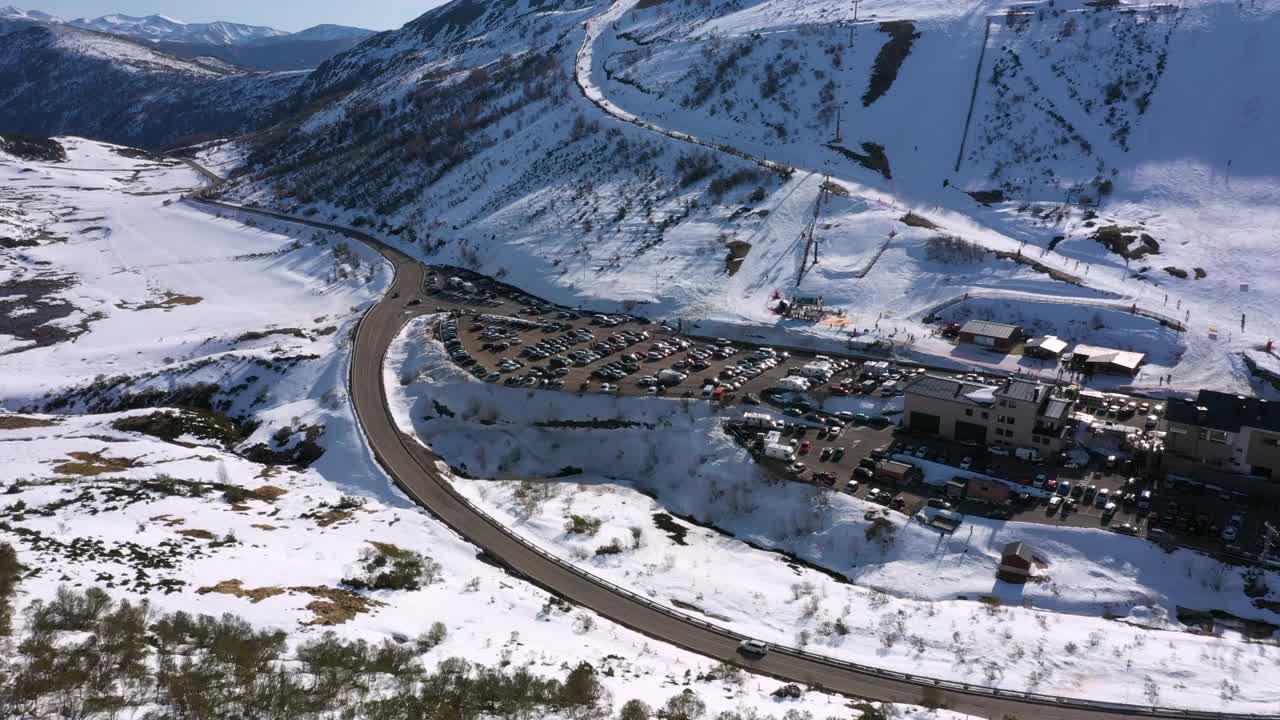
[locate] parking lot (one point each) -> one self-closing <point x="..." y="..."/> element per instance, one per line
<point x="509" y="338"/>
<point x="506" y="336"/>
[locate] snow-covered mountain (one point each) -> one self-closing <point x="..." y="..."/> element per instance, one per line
<point x="10" y="12"/>
<point x="59" y="79"/>
<point x="325" y="32"/>
<point x="160" y="27"/>
<point x="614" y="151"/>
<point x="248" y="46"/>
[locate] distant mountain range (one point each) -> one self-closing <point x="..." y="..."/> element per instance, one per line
<point x="58" y="79"/>
<point x="249" y="46"/>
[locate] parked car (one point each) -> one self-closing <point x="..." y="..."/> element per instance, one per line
<point x="1055" y="502"/>
<point x="1100" y="500"/>
<point x="753" y="648"/>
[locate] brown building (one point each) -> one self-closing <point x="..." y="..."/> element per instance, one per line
<point x="1232" y="433"/>
<point x="1017" y="413"/>
<point x="991" y="335"/>
<point x="1048" y="347"/>
<point x="1106" y="360"/>
<point x="987" y="491"/>
<point x="1015" y="562"/>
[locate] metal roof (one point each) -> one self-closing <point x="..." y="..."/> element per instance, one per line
<point x="943" y="388"/>
<point x="987" y="328"/>
<point x="1023" y="390"/>
<point x="1020" y="549"/>
<point x="1057" y="409"/>
<point x="1226" y="412"/>
<point x="1108" y="356"/>
<point x="1048" y="343"/>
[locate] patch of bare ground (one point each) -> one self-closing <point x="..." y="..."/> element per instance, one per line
<point x="738" y="251"/>
<point x="197" y="534"/>
<point x="92" y="464"/>
<point x="236" y="588"/>
<point x="268" y="493"/>
<point x="30" y="311"/>
<point x="331" y="606"/>
<point x="21" y="422"/>
<point x="167" y="301"/>
<point x="913" y="220"/>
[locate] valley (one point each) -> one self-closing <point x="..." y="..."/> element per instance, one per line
<point x="645" y="358"/>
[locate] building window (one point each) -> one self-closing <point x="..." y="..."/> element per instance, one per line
<point x="984" y="415"/>
<point x="1002" y="403"/>
<point x="1204" y="434"/>
<point x="1218" y="436"/>
<point x="1271" y="441"/>
<point x="968" y="411"/>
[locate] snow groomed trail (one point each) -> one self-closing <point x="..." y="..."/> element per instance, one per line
<point x="415" y="469"/>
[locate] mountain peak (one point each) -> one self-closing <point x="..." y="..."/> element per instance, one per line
<point x="9" y="12"/>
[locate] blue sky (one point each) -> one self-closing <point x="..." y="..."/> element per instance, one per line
<point x="289" y="15"/>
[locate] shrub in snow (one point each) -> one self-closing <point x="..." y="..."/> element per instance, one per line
<point x="388" y="567"/>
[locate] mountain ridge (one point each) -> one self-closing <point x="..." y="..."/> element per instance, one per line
<point x="252" y="47"/>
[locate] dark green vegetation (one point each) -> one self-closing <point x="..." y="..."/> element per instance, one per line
<point x="988" y="197"/>
<point x="284" y="451"/>
<point x="84" y="655"/>
<point x="902" y="36"/>
<point x="10" y="572"/>
<point x="389" y="567"/>
<point x="29" y="147"/>
<point x="169" y="425"/>
<point x="289" y="445"/>
<point x="872" y="157"/>
<point x="1128" y="242"/>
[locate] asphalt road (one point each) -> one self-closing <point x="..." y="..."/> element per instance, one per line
<point x="413" y="468"/>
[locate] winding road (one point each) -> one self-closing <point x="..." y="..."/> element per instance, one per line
<point x="416" y="470"/>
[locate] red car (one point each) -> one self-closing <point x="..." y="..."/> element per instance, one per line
<point x="1051" y="484"/>
<point x="804" y="447"/>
